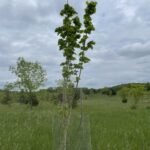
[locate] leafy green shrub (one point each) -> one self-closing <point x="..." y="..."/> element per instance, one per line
<point x="123" y="93"/>
<point x="22" y="98"/>
<point x="124" y="100"/>
<point x="33" y="101"/>
<point x="7" y="98"/>
<point x="147" y="86"/>
<point x="86" y="91"/>
<point x="137" y="92"/>
<point x="106" y="91"/>
<point x="56" y="98"/>
<point x="147" y="107"/>
<point x="113" y="91"/>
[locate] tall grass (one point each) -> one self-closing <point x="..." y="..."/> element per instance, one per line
<point x="115" y="126"/>
<point x="23" y="129"/>
<point x="78" y="137"/>
<point x="112" y="125"/>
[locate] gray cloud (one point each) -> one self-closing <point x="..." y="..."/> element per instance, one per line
<point x="121" y="55"/>
<point x="136" y="50"/>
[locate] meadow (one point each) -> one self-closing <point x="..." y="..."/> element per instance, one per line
<point x="113" y="125"/>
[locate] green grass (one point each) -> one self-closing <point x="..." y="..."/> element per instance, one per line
<point x="113" y="125"/>
<point x="25" y="129"/>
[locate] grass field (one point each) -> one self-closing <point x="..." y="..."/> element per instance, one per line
<point x="113" y="125"/>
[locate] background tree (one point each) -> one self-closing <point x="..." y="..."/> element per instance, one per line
<point x="124" y="93"/>
<point x="147" y="86"/>
<point x="106" y="91"/>
<point x="137" y="92"/>
<point x="30" y="76"/>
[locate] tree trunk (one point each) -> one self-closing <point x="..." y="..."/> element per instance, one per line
<point x="30" y="97"/>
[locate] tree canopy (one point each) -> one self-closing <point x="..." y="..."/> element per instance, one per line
<point x="30" y="76"/>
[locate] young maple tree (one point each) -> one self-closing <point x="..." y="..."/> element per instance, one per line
<point x="74" y="43"/>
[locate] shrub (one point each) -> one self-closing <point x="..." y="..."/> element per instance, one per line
<point x="137" y="92"/>
<point x="147" y="86"/>
<point x="23" y="99"/>
<point x="56" y="98"/>
<point x="86" y="91"/>
<point x="33" y="101"/>
<point x="106" y="91"/>
<point x="123" y="93"/>
<point x="7" y="98"/>
<point x="147" y="107"/>
<point x="124" y="100"/>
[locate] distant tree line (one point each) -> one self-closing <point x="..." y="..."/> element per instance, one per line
<point x="53" y="93"/>
<point x="110" y="91"/>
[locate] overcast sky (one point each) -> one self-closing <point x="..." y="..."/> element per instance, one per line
<point x="121" y="54"/>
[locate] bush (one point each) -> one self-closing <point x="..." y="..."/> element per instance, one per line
<point x="134" y="106"/>
<point x="113" y="92"/>
<point x="123" y="93"/>
<point x="106" y="91"/>
<point x="147" y="107"/>
<point x="147" y="86"/>
<point x="86" y="91"/>
<point x="33" y="101"/>
<point x="137" y="92"/>
<point x="28" y="99"/>
<point x="7" y="98"/>
<point x="124" y="100"/>
<point x="56" y="98"/>
<point x="23" y="99"/>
